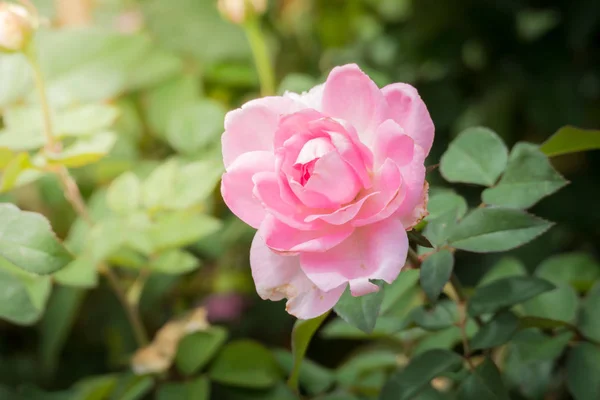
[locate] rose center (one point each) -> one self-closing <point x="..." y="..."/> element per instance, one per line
<point x="311" y="152"/>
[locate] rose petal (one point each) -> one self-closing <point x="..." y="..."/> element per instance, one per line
<point x="351" y="95"/>
<point x="334" y="178"/>
<point x="419" y="212"/>
<point x="344" y="214"/>
<point x="237" y="186"/>
<point x="391" y="142"/>
<point x="388" y="184"/>
<point x="252" y="127"/>
<point x="283" y="238"/>
<point x="277" y="277"/>
<point x="311" y="99"/>
<point x="413" y="175"/>
<point x="376" y="251"/>
<point x="408" y="109"/>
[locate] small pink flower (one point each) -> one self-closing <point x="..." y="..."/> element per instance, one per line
<point x="332" y="179"/>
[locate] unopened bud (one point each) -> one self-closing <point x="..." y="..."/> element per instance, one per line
<point x="16" y="27"/>
<point x="237" y="11"/>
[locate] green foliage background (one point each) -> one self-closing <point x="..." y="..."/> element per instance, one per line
<point x="139" y="99"/>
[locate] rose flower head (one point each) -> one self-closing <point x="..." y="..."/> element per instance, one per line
<point x="332" y="179"/>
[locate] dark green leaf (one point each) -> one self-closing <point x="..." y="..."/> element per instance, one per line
<point x="569" y="139"/>
<point x="580" y="270"/>
<point x="496" y="332"/>
<point x="484" y="383"/>
<point x="477" y="155"/>
<point x="416" y="237"/>
<point x="406" y="383"/>
<point x="496" y="229"/>
<point x="542" y="323"/>
<point x="349" y="373"/>
<point x="529" y="177"/>
<point x="27" y="241"/>
<point x="197" y="349"/>
<point x="589" y="323"/>
<point x="505" y="293"/>
<point x="397" y="296"/>
<point x="445" y="209"/>
<point x="245" y="363"/>
<point x="361" y="312"/>
<point x="279" y="392"/>
<point x="506" y="267"/>
<point x="560" y="304"/>
<point x="440" y="316"/>
<point x="313" y="378"/>
<point x="198" y="389"/>
<point x="583" y="372"/>
<point x="302" y="334"/>
<point x="56" y="324"/>
<point x="435" y="272"/>
<point x="535" y="346"/>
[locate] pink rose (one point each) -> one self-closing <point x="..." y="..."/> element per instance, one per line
<point x="332" y="179"/>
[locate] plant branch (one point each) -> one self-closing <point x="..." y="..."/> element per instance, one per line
<point x="74" y="197"/>
<point x="260" y="52"/>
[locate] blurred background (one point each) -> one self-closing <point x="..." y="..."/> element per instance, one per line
<point x="172" y="69"/>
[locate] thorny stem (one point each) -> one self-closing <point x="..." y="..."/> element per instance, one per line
<point x="262" y="59"/>
<point x="73" y="196"/>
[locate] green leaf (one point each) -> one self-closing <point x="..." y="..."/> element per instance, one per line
<point x="180" y="229"/>
<point x="560" y="304"/>
<point x="496" y="332"/>
<point x="296" y="83"/>
<point x="362" y="311"/>
<point x="569" y="139"/>
<point x="418" y="238"/>
<point x="27" y="241"/>
<point x="435" y="272"/>
<point x="81" y="272"/>
<point x="133" y="387"/>
<point x="197" y="349"/>
<point x="477" y="155"/>
<point x="385" y="326"/>
<point x="506" y="267"/>
<point x="360" y="365"/>
<point x="505" y="293"/>
<point x="534" y="346"/>
<point x="23" y="295"/>
<point x="580" y="270"/>
<point x="313" y="378"/>
<point x="589" y="323"/>
<point x="195" y="126"/>
<point x="279" y="392"/>
<point x="445" y="209"/>
<point x="198" y="389"/>
<point x="337" y="396"/>
<point x="400" y="292"/>
<point x="15" y="78"/>
<point x="445" y="339"/>
<point x="73" y="121"/>
<point x="157" y="189"/>
<point x="56" y="325"/>
<point x="542" y="323"/>
<point x="302" y="334"/>
<point x="245" y="363"/>
<point x="496" y="229"/>
<point x="174" y="262"/>
<point x="189" y="191"/>
<point x="13" y="170"/>
<point x="407" y="383"/>
<point x="440" y="316"/>
<point x="529" y="177"/>
<point x="124" y="193"/>
<point x="84" y="151"/>
<point x="583" y="372"/>
<point x="484" y="383"/>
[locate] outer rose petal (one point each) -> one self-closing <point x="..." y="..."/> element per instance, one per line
<point x="252" y="127"/>
<point x="237" y="186"/>
<point x="351" y="95"/>
<point x="376" y="251"/>
<point x="311" y="99"/>
<point x="410" y="112"/>
<point x="277" y="277"/>
<point x="391" y="142"/>
<point x="414" y="178"/>
<point x="283" y="238"/>
<point x="419" y="212"/>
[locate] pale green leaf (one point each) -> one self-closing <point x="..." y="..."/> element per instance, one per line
<point x="528" y="178"/>
<point x="124" y="193"/>
<point x="81" y="272"/>
<point x="496" y="229"/>
<point x="195" y="126"/>
<point x="174" y="262"/>
<point x="28" y="242"/>
<point x="477" y="155"/>
<point x="84" y="151"/>
<point x="15" y="78"/>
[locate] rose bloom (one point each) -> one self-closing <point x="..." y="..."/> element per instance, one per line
<point x="332" y="179"/>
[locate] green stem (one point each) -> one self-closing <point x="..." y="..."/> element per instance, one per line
<point x="73" y="195"/>
<point x="462" y="296"/>
<point x="262" y="59"/>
